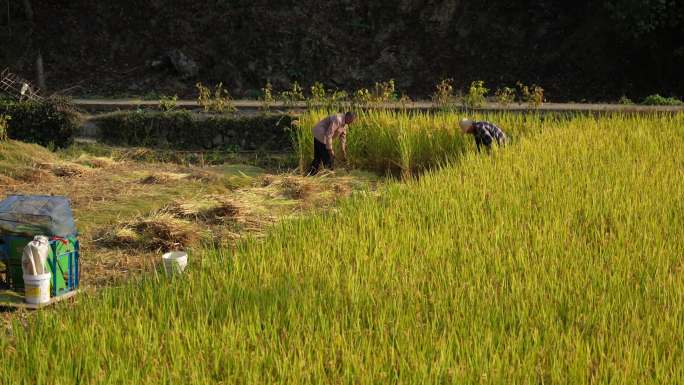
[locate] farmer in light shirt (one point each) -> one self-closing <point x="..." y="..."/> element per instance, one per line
<point x="333" y="126"/>
<point x="485" y="133"/>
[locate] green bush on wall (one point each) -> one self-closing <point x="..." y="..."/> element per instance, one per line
<point x="657" y="100"/>
<point x="183" y="130"/>
<point x="48" y="123"/>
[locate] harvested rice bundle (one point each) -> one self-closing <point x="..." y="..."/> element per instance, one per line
<point x="212" y="209"/>
<point x="157" y="231"/>
<point x="163" y="178"/>
<point x="96" y="161"/>
<point x="65" y="170"/>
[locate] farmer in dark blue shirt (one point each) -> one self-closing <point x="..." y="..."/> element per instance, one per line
<point x="484" y="132"/>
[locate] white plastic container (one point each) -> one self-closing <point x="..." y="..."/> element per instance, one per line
<point x="37" y="288"/>
<point x="34" y="256"/>
<point x="175" y="262"/>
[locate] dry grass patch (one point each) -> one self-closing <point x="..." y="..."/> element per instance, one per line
<point x="7" y="181"/>
<point x="111" y="266"/>
<point x="309" y="192"/>
<point x="342" y="189"/>
<point x="15" y="153"/>
<point x="183" y="224"/>
<point x="34" y="175"/>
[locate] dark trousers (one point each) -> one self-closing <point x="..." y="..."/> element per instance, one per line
<point x="321" y="155"/>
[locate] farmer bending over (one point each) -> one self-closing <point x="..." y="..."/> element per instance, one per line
<point x="484" y="132"/>
<point x="334" y="126"/>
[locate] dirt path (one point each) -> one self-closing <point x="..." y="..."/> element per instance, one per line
<point x="247" y="106"/>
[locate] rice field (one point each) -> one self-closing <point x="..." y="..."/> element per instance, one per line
<point x="555" y="261"/>
<point x="404" y="144"/>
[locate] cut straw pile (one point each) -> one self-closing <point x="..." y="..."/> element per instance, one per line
<point x="291" y="186"/>
<point x="184" y="223"/>
<point x="65" y="169"/>
<point x="163" y="178"/>
<point x="158" y="231"/>
<point x="308" y="191"/>
<point x="96" y="161"/>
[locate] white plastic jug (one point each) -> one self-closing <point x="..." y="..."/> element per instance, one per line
<point x="37" y="288"/>
<point x="175" y="262"/>
<point x="35" y="255"/>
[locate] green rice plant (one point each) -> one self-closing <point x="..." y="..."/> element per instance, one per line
<point x="405" y="143"/>
<point x="557" y="261"/>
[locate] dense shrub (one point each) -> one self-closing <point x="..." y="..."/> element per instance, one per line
<point x="184" y="130"/>
<point x="657" y="100"/>
<point x="48" y="123"/>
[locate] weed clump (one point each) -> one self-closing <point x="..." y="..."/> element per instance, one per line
<point x="505" y="96"/>
<point x="475" y="97"/>
<point x="218" y="100"/>
<point x="532" y="95"/>
<point x="443" y="96"/>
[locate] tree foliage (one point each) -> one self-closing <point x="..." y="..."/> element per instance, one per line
<point x="575" y="50"/>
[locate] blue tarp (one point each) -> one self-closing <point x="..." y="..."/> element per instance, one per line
<point x="37" y="215"/>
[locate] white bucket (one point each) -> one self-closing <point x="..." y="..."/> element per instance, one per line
<point x="175" y="262"/>
<point x="37" y="288"/>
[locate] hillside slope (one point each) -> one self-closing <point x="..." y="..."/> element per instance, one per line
<point x="590" y="49"/>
